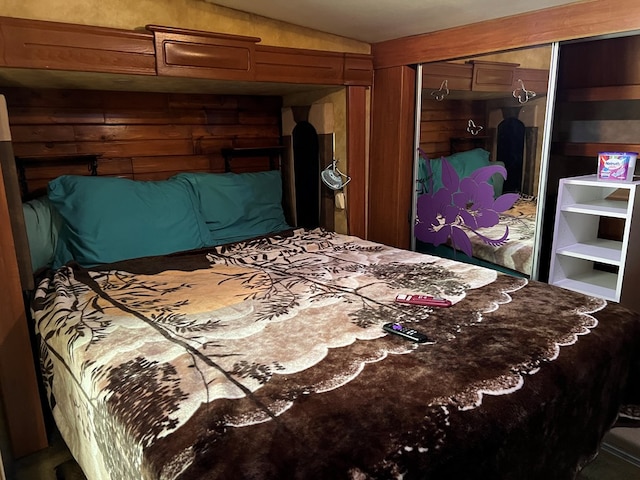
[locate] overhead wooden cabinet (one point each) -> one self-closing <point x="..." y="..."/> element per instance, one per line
<point x="484" y="76"/>
<point x="173" y="52"/>
<point x="62" y="46"/>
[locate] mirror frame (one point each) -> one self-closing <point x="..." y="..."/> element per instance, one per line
<point x="545" y="146"/>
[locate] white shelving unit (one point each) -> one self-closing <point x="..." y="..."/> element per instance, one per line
<point x="581" y="260"/>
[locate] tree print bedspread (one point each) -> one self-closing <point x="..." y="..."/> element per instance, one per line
<point x="517" y="252"/>
<point x="266" y="359"/>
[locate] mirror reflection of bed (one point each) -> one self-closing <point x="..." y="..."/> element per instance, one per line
<point x="480" y="112"/>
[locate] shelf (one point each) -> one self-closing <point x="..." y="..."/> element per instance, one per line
<point x="598" y="250"/>
<point x="583" y="260"/>
<point x="593" y="149"/>
<point x="604" y="207"/>
<point x="595" y="283"/>
<point x="600" y="94"/>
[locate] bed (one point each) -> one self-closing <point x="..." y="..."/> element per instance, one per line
<point x="506" y="242"/>
<point x="266" y="358"/>
<point x="516" y="253"/>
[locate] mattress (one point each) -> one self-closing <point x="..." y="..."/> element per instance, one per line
<point x="516" y="253"/>
<point x="266" y="359"/>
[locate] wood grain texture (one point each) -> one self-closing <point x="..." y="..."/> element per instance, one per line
<point x="391" y="156"/>
<point x="18" y="385"/>
<point x="52" y="45"/>
<point x="165" y="51"/>
<point x="576" y="20"/>
<point x="357" y="140"/>
<point x="145" y="136"/>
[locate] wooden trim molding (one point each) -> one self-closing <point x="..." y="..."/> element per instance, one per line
<point x="18" y="384"/>
<point x="357" y="137"/>
<point x="391" y="156"/>
<point x="567" y="22"/>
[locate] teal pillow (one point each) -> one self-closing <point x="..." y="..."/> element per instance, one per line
<point x="238" y="206"/>
<point x="464" y="163"/>
<point x="43" y="224"/>
<point x="109" y="219"/>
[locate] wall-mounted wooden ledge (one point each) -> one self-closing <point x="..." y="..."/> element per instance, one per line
<point x="592" y="149"/>
<point x="166" y="51"/>
<point x="597" y="94"/>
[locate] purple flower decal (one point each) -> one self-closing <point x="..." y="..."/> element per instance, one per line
<point x="462" y="206"/>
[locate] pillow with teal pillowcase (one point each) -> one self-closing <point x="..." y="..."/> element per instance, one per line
<point x="43" y="224"/>
<point x="464" y="163"/>
<point x="108" y="219"/>
<point x="239" y="206"/>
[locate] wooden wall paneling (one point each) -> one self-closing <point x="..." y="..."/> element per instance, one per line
<point x="617" y="92"/>
<point x="44" y="133"/>
<point x="357" y="160"/>
<point x="161" y="167"/>
<point x="127" y="148"/>
<point x="391" y="156"/>
<point x="145" y="136"/>
<point x="440" y="121"/>
<point x="572" y="21"/>
<point x="253" y="130"/>
<point x="18" y="384"/>
<point x="61" y="46"/>
<point x="32" y="149"/>
<point x="53" y="115"/>
<point x="612" y="62"/>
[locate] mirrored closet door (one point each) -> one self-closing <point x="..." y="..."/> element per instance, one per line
<point x="480" y="161"/>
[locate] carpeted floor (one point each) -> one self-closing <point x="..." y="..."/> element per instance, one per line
<point x="609" y="467"/>
<point x="69" y="470"/>
<point x="56" y="463"/>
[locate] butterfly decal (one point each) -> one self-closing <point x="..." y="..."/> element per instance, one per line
<point x="472" y="128"/>
<point x="522" y="94"/>
<point x="442" y="92"/>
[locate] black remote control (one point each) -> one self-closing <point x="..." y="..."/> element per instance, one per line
<point x="408" y="333"/>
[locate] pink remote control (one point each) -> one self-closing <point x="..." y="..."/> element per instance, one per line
<point x="423" y="300"/>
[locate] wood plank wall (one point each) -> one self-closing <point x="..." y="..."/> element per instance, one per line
<point x="138" y="135"/>
<point x="440" y="121"/>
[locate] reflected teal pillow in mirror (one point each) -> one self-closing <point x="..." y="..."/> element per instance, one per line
<point x="43" y="224"/>
<point x="239" y="206"/>
<point x="464" y="163"/>
<point x="110" y="219"/>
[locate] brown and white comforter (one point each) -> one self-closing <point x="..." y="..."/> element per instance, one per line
<point x="267" y="360"/>
<point x="517" y="252"/>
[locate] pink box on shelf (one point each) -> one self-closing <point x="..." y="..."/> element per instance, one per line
<point x="618" y="166"/>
